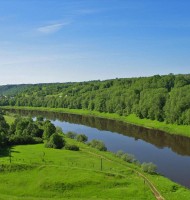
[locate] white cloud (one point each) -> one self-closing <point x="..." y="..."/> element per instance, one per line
<point x="53" y="28"/>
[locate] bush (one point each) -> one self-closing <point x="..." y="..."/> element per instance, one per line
<point x="119" y="153"/>
<point x="49" y="129"/>
<point x="71" y="135"/>
<point x="26" y="139"/>
<point x="149" y="168"/>
<point x="128" y="157"/>
<point x="71" y="147"/>
<point x="98" y="144"/>
<point x="56" y="141"/>
<point x="81" y="138"/>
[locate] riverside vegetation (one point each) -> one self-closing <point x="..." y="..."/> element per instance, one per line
<point x="160" y="102"/>
<point x="78" y="171"/>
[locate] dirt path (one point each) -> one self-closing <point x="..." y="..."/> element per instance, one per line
<point x="152" y="187"/>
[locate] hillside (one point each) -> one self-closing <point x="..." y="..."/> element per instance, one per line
<point x="40" y="173"/>
<point x="161" y="98"/>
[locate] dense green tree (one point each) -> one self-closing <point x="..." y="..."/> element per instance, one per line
<point x="177" y="106"/>
<point x="55" y="141"/>
<point x="4" y="127"/>
<point x="49" y="129"/>
<point x="3" y="139"/>
<point x="71" y="135"/>
<point x="81" y="138"/>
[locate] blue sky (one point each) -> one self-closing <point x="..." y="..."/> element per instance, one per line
<point x="79" y="40"/>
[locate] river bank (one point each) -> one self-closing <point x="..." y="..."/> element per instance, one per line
<point x="175" y="129"/>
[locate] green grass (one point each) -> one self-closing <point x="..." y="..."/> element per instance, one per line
<point x="67" y="175"/>
<point x="41" y="173"/>
<point x="167" y="187"/>
<point x="132" y="119"/>
<point x="9" y="119"/>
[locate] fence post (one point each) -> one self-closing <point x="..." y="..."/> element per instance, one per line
<point x="10" y="155"/>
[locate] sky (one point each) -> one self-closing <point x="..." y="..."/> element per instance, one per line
<point x="79" y="40"/>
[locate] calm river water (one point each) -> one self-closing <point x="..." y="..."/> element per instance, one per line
<point x="170" y="153"/>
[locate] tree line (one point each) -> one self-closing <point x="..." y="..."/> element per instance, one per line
<point x="163" y="98"/>
<point x="27" y="131"/>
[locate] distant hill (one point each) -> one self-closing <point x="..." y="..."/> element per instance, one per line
<point x="162" y="98"/>
<point x="12" y="90"/>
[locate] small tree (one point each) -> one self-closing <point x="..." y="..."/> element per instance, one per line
<point x="149" y="168"/>
<point x="98" y="144"/>
<point x="71" y="135"/>
<point x="56" y="141"/>
<point x="71" y="147"/>
<point x="82" y="138"/>
<point x="128" y="157"/>
<point x="119" y="153"/>
<point x="49" y="129"/>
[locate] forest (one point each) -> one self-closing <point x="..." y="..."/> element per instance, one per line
<point x="162" y="98"/>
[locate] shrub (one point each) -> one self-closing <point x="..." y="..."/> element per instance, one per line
<point x="81" y="138"/>
<point x="128" y="157"/>
<point x="98" y="144"/>
<point x="149" y="168"/>
<point x="56" y="141"/>
<point x="24" y="139"/>
<point x="49" y="129"/>
<point x="119" y="153"/>
<point x="174" y="188"/>
<point x="71" y="147"/>
<point x="71" y="135"/>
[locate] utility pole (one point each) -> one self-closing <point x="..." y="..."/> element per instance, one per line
<point x="101" y="164"/>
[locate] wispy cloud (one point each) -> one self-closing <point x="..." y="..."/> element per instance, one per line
<point x="53" y="28"/>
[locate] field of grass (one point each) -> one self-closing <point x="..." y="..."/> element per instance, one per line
<point x="62" y="174"/>
<point x="37" y="172"/>
<point x="132" y="119"/>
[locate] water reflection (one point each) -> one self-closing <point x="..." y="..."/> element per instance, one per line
<point x="178" y="144"/>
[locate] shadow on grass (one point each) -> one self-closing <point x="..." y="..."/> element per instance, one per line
<point x="5" y="152"/>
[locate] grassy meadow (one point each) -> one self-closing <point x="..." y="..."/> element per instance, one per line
<point x="37" y="172"/>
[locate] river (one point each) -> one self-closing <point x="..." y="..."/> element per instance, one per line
<point x="170" y="153"/>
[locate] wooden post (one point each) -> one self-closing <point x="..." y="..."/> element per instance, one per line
<point x="101" y="164"/>
<point x="10" y="155"/>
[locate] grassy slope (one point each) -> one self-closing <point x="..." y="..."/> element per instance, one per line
<point x="68" y="175"/>
<point x="170" y="128"/>
<point x="77" y="175"/>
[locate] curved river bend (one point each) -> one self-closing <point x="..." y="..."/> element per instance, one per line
<point x="170" y="153"/>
